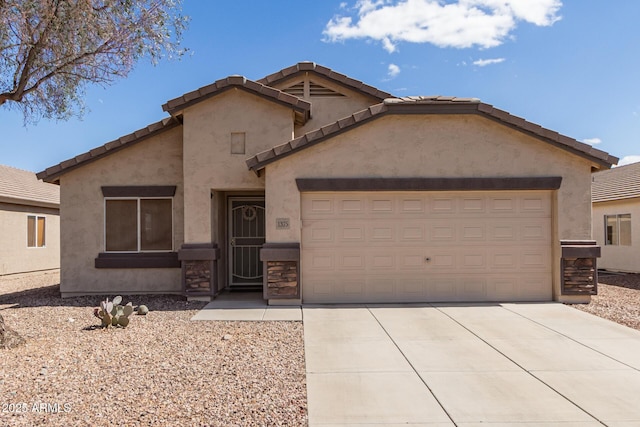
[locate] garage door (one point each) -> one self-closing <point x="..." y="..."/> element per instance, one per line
<point x="426" y="246"/>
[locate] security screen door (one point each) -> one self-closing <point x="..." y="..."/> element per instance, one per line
<point x="246" y="237"/>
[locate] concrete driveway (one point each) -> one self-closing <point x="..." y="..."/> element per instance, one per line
<point x="469" y="365"/>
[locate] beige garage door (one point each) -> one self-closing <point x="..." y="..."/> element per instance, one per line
<point x="426" y="246"/>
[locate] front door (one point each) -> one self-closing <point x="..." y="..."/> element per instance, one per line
<point x="246" y="237"/>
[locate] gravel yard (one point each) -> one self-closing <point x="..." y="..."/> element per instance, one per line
<point x="618" y="299"/>
<point x="162" y="370"/>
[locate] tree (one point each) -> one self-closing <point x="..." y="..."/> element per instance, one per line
<point x="50" y="50"/>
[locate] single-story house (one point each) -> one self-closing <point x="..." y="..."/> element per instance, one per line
<point x="616" y="209"/>
<point x="29" y="223"/>
<point x="317" y="187"/>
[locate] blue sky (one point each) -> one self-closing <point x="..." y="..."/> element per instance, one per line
<point x="570" y="66"/>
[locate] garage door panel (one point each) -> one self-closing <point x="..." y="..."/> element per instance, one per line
<point x="420" y="246"/>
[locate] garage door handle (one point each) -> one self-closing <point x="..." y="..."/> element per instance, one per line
<point x="427" y="259"/>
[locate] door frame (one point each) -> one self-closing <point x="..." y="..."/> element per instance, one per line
<point x="229" y="237"/>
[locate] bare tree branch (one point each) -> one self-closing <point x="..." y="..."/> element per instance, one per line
<point x="51" y="49"/>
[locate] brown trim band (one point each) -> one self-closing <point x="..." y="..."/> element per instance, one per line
<point x="138" y="260"/>
<point x="139" y="191"/>
<point x="428" y="184"/>
<point x="280" y="252"/>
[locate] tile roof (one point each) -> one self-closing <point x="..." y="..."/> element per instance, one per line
<point x="52" y="174"/>
<point x="618" y="183"/>
<point x="22" y="187"/>
<point x="429" y="105"/>
<point x="300" y="106"/>
<point x="328" y="73"/>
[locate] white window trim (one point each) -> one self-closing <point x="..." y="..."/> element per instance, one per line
<point x="617" y="217"/>
<point x="36" y="231"/>
<point x="104" y="225"/>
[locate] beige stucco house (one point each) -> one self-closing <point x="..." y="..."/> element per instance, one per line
<point x="616" y="210"/>
<point x="315" y="187"/>
<point x="29" y="223"/>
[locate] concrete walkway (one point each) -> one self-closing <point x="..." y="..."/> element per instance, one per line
<point x="247" y="306"/>
<point x="469" y="365"/>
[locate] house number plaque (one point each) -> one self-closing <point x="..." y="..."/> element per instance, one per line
<point x="282" y="223"/>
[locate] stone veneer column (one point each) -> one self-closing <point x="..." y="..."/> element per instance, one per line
<point x="199" y="269"/>
<point x="578" y="267"/>
<point x="281" y="263"/>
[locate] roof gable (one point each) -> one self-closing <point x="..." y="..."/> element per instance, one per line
<point x="430" y="105"/>
<point x="618" y="183"/>
<point x="22" y="187"/>
<point x="53" y="173"/>
<point x="301" y="107"/>
<point x="338" y="78"/>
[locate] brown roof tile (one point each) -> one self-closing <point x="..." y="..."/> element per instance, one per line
<point x="618" y="183"/>
<point x="22" y="187"/>
<point x="300" y="106"/>
<point x="52" y="174"/>
<point x="327" y="73"/>
<point x="432" y="105"/>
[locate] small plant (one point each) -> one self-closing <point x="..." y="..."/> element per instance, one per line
<point x="143" y="310"/>
<point x="112" y="313"/>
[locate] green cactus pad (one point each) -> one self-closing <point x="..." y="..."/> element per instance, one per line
<point x="127" y="310"/>
<point x="117" y="300"/>
<point x="123" y="321"/>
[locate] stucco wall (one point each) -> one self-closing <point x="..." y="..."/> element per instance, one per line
<point x="15" y="256"/>
<point x="434" y="146"/>
<point x="155" y="161"/>
<point x="208" y="162"/>
<point x="618" y="257"/>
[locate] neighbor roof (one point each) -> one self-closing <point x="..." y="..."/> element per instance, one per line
<point x="52" y="174"/>
<point x="301" y="107"/>
<point x="429" y="105"/>
<point x="618" y="183"/>
<point x="341" y="79"/>
<point x="22" y="187"/>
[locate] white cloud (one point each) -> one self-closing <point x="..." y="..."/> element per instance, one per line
<point x="592" y="141"/>
<point x="394" y="70"/>
<point x="627" y="160"/>
<point x="485" y="62"/>
<point x="459" y="24"/>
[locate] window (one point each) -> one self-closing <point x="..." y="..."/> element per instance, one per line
<point x="138" y="225"/>
<point x="617" y="229"/>
<point x="35" y="231"/>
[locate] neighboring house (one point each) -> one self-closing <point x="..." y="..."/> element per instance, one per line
<point x="314" y="186"/>
<point x="615" y="195"/>
<point x="29" y="223"/>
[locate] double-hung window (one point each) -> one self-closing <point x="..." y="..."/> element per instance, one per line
<point x="35" y="231"/>
<point x="138" y="224"/>
<point x="617" y="229"/>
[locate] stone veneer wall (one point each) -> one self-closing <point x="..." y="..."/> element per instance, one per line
<point x="281" y="265"/>
<point x="579" y="276"/>
<point x="282" y="278"/>
<point x="197" y="277"/>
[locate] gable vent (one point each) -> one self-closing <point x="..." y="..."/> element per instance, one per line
<point x="318" y="90"/>
<point x="295" y="90"/>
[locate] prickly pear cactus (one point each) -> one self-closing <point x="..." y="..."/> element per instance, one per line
<point x="111" y="313"/>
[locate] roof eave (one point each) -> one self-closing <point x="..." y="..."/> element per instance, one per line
<point x="302" y="108"/>
<point x="28" y="202"/>
<point x="52" y="174"/>
<point x="598" y="158"/>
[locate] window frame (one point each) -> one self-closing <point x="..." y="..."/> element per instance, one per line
<point x="617" y="237"/>
<point x="138" y="225"/>
<point x="44" y="232"/>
